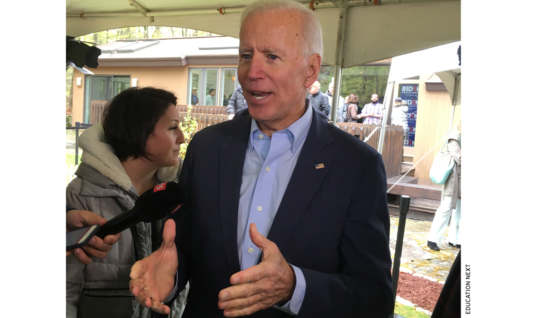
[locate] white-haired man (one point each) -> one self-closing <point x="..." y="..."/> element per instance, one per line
<point x="318" y="100"/>
<point x="284" y="213"/>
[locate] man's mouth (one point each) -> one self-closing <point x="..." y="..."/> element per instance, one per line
<point x="260" y="95"/>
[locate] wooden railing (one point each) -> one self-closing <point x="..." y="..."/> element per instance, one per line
<point x="96" y="110"/>
<point x="393" y="143"/>
<point x="214" y="110"/>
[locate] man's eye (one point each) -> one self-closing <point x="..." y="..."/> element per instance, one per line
<point x="273" y="57"/>
<point x="246" y="56"/>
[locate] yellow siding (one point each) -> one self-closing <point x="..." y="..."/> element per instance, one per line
<point x="434" y="110"/>
<point x="171" y="78"/>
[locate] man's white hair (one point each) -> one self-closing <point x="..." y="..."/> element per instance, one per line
<point x="311" y="27"/>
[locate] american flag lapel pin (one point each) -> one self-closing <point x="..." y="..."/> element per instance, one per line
<point x="319" y="166"/>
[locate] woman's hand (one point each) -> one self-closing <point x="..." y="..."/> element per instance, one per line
<point x="76" y="219"/>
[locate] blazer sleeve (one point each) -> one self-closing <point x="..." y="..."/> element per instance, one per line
<point x="182" y="219"/>
<point x="232" y="103"/>
<point x="362" y="287"/>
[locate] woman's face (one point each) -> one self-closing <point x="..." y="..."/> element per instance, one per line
<point x="163" y="144"/>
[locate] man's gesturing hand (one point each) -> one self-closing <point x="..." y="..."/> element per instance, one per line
<point x="76" y="219"/>
<point x="152" y="278"/>
<point x="261" y="286"/>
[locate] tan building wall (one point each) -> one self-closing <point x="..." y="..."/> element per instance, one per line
<point x="171" y="78"/>
<point x="433" y="119"/>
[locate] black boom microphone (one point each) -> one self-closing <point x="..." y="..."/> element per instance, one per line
<point x="153" y="205"/>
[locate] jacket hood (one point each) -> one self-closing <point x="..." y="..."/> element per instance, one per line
<point x="99" y="155"/>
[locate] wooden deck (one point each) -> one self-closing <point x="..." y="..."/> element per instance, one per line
<point x="415" y="188"/>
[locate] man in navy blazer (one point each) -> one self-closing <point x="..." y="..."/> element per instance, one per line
<point x="285" y="214"/>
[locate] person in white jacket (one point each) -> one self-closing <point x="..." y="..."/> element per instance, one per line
<point x="399" y="117"/>
<point x="134" y="148"/>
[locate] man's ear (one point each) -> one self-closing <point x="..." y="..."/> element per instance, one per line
<point x="314" y="66"/>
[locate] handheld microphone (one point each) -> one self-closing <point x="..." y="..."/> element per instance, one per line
<point x="153" y="205"/>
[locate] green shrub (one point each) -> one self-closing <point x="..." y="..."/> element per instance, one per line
<point x="189" y="127"/>
<point x="68" y="120"/>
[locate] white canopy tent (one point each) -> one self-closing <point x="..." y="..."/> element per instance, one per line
<point x="355" y="32"/>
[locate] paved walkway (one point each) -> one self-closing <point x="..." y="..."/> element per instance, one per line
<point x="416" y="255"/>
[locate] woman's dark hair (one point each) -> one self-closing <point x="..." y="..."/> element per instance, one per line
<point x="353" y="99"/>
<point x="130" y="118"/>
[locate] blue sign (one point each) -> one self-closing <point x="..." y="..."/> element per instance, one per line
<point x="409" y="95"/>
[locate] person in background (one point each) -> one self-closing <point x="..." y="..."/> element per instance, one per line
<point x="341" y="105"/>
<point x="352" y="109"/>
<point x="134" y="148"/>
<point x="76" y="219"/>
<point x="343" y="112"/>
<point x="209" y="101"/>
<point x="236" y="103"/>
<point x="451" y="202"/>
<point x="372" y="112"/>
<point x="194" y="98"/>
<point x="318" y="100"/>
<point x="225" y="100"/>
<point x="399" y="117"/>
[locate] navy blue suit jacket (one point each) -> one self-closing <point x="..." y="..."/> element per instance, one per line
<point x="332" y="223"/>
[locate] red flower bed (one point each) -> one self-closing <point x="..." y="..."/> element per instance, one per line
<point x="419" y="291"/>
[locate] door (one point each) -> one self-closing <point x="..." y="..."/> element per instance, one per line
<point x="228" y="84"/>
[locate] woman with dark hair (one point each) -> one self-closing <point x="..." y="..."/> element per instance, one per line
<point x="353" y="113"/>
<point x="135" y="147"/>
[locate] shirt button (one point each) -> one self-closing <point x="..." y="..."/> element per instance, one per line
<point x="250" y="250"/>
<point x="267" y="169"/>
<point x="260" y="136"/>
<point x="259" y="208"/>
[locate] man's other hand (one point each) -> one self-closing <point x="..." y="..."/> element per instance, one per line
<point x="76" y="219"/>
<point x="261" y="286"/>
<point x="152" y="278"/>
<point x="231" y="116"/>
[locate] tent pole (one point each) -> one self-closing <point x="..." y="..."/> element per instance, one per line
<point x="387" y="104"/>
<point x="340" y="43"/>
<point x="457" y="85"/>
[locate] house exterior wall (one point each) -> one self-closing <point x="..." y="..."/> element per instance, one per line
<point x="171" y="78"/>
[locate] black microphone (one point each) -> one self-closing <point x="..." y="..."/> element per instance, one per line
<point x="153" y="205"/>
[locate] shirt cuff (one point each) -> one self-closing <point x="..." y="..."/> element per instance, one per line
<point x="171" y="295"/>
<point x="292" y="307"/>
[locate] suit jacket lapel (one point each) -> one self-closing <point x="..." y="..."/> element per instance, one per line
<point x="304" y="181"/>
<point x="231" y="164"/>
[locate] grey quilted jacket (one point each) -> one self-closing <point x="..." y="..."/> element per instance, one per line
<point x="103" y="187"/>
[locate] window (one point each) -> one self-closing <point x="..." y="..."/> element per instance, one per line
<point x="228" y="84"/>
<point x="211" y="86"/>
<point x="102" y="88"/>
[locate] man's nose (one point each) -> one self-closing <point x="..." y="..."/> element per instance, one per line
<point x="256" y="68"/>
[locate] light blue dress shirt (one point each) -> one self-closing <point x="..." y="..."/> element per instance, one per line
<point x="268" y="167"/>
